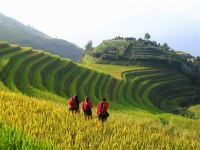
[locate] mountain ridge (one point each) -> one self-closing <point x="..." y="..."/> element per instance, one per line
<point x="16" y="32"/>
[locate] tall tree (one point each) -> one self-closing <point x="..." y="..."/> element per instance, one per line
<point x="198" y="58"/>
<point x="165" y="47"/>
<point x="88" y="46"/>
<point x="147" y="36"/>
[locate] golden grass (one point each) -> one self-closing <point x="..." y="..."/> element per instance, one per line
<point x="52" y="123"/>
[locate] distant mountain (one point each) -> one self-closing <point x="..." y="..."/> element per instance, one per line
<point x="15" y="32"/>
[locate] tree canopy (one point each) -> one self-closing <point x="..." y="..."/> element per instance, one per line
<point x="147" y="36"/>
<point x="89" y="46"/>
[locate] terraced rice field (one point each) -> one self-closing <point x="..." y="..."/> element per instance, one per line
<point x="40" y="74"/>
<point x="139" y="50"/>
<point x="137" y="95"/>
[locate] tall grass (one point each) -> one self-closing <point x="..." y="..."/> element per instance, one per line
<point x="52" y="123"/>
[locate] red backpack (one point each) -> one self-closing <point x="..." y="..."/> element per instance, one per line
<point x="71" y="103"/>
<point x="102" y="107"/>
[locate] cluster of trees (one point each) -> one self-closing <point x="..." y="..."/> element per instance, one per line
<point x="124" y="38"/>
<point x="145" y="41"/>
<point x="147" y="36"/>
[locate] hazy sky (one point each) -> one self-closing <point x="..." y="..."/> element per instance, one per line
<point x="176" y="22"/>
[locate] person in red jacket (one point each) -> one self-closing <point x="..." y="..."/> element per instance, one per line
<point x="73" y="104"/>
<point x="87" y="107"/>
<point x="102" y="110"/>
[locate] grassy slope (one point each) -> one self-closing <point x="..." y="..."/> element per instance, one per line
<point x="196" y="111"/>
<point x="159" y="82"/>
<point x="120" y="45"/>
<point x="131" y="49"/>
<point x="125" y="128"/>
<point x="51" y="123"/>
<point x="114" y="70"/>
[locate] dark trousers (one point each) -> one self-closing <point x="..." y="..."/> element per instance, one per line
<point x="88" y="113"/>
<point x="103" y="117"/>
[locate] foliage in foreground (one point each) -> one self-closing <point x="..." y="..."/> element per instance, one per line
<point x="13" y="138"/>
<point x="52" y="123"/>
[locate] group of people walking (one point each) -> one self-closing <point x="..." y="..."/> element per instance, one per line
<point x="87" y="106"/>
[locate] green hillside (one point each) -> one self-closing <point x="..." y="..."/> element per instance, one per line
<point x="132" y="51"/>
<point x="152" y="88"/>
<point x="139" y="96"/>
<point x="128" y="51"/>
<point x="18" y="33"/>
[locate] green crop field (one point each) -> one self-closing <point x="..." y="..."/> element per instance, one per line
<point x="35" y="85"/>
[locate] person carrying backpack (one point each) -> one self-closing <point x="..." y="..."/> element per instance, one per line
<point x="102" y="110"/>
<point x="73" y="104"/>
<point x="77" y="102"/>
<point x="87" y="107"/>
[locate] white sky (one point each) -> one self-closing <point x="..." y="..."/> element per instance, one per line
<point x="173" y="21"/>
